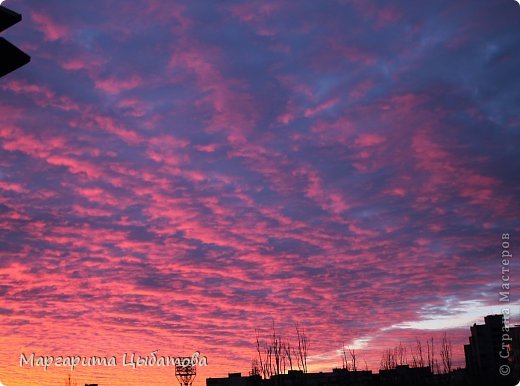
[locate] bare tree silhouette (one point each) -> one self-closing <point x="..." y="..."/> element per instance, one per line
<point x="431" y="356"/>
<point x="262" y="358"/>
<point x="446" y="354"/>
<point x="388" y="360"/>
<point x="302" y="349"/>
<point x="353" y="358"/>
<point x="288" y="354"/>
<point x="400" y="354"/>
<point x="344" y="358"/>
<point x="277" y="356"/>
<point x="417" y="355"/>
<point x="255" y="368"/>
<point x="277" y="348"/>
<point x="69" y="382"/>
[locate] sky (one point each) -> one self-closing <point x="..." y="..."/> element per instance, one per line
<point x="176" y="175"/>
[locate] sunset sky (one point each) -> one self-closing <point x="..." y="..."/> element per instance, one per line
<point x="177" y="174"/>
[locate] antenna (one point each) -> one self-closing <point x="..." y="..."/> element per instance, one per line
<point x="185" y="374"/>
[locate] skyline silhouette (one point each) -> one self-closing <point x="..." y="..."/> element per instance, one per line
<point x="492" y="357"/>
<point x="279" y="363"/>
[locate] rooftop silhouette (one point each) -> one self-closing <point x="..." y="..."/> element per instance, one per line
<point x="492" y="358"/>
<point x="11" y="56"/>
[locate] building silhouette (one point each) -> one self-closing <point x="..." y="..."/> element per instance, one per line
<point x="405" y="375"/>
<point x="12" y="57"/>
<point x="491" y="347"/>
<point x="235" y="379"/>
<point x="298" y="378"/>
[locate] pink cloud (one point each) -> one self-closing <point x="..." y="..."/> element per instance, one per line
<point x="114" y="85"/>
<point x="51" y="29"/>
<point x="321" y="107"/>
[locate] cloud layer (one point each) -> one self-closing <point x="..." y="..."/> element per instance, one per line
<point x="175" y="175"/>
